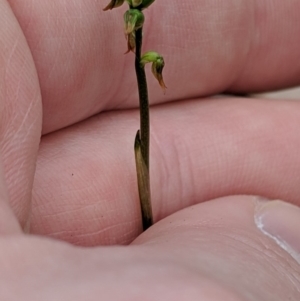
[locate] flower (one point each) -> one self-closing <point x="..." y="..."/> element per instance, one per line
<point x="135" y="3"/>
<point x="140" y="4"/>
<point x="113" y="4"/>
<point x="133" y="19"/>
<point x="146" y="3"/>
<point x="158" y="64"/>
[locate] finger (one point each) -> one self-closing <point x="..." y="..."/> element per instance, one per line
<point x="85" y="190"/>
<point x="20" y="120"/>
<point x="9" y="224"/>
<point x="241" y="46"/>
<point x="212" y="251"/>
<point x="223" y="239"/>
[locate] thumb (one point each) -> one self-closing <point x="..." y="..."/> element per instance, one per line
<point x="245" y="244"/>
<point x="281" y="222"/>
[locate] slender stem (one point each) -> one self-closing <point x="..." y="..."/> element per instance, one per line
<point x="142" y="140"/>
<point x="143" y="96"/>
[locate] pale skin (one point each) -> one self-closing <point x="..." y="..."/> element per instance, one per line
<point x="62" y="64"/>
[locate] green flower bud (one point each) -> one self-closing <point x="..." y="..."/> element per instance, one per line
<point x="158" y="64"/>
<point x="114" y="4"/>
<point x="133" y="19"/>
<point x="146" y="3"/>
<point x="140" y="4"/>
<point x="134" y="3"/>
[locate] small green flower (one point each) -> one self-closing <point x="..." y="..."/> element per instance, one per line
<point x="158" y="64"/>
<point x="140" y="4"/>
<point x="134" y="3"/>
<point x="114" y="4"/>
<point x="146" y="3"/>
<point x="133" y="19"/>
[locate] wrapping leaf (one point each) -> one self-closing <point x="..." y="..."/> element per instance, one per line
<point x="130" y="42"/>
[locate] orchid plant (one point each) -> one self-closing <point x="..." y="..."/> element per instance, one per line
<point x="133" y="26"/>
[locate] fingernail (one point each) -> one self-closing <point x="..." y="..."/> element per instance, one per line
<point x="281" y="222"/>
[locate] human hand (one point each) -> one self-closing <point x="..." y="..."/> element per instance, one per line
<point x="85" y="184"/>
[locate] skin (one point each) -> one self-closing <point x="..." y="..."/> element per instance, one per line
<point x="63" y="75"/>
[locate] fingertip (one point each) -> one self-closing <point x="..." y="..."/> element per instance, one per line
<point x="281" y="222"/>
